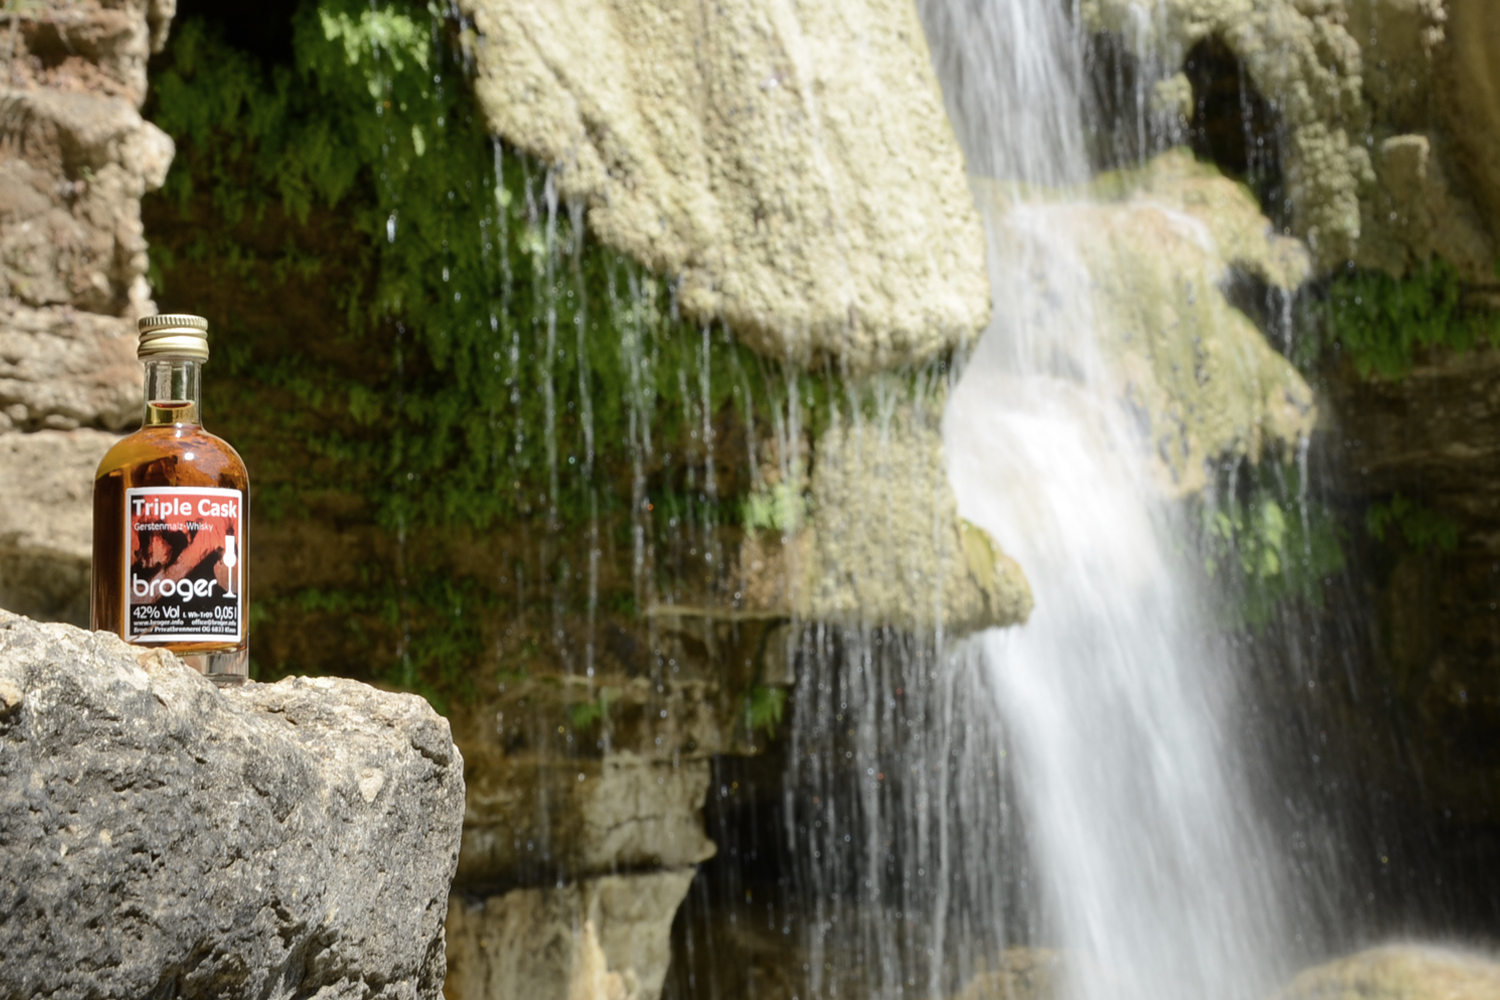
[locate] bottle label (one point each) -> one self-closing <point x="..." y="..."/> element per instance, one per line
<point x="184" y="564"/>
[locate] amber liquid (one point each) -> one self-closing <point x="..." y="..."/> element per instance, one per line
<point x="165" y="453"/>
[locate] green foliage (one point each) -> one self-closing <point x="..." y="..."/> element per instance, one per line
<point x="780" y="508"/>
<point x="584" y="714"/>
<point x="1382" y="321"/>
<point x="1424" y="529"/>
<point x="764" y="706"/>
<point x="505" y="353"/>
<point x="1271" y="545"/>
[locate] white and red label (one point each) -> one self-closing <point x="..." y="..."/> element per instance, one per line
<point x="184" y="564"/>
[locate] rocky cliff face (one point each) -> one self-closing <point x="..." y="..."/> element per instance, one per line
<point x="163" y="836"/>
<point x="75" y="159"/>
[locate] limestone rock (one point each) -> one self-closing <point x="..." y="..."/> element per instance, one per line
<point x="1197" y="371"/>
<point x="873" y="538"/>
<point x="94" y="46"/>
<point x="46" y="521"/>
<point x="61" y="368"/>
<point x="1399" y="972"/>
<point x="600" y="939"/>
<point x="73" y="168"/>
<point x="886" y="543"/>
<point x="533" y="816"/>
<point x="1299" y="54"/>
<point x="165" y="837"/>
<point x="1468" y="87"/>
<point x="792" y="163"/>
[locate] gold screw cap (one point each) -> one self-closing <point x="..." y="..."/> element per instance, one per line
<point x="176" y="334"/>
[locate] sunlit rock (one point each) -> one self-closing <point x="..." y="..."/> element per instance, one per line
<point x="46" y="532"/>
<point x="1389" y="109"/>
<point x="792" y="164"/>
<point x="878" y="541"/>
<point x="1160" y="250"/>
<point x="164" y="837"/>
<point x="1399" y="972"/>
<point x="602" y="939"/>
<point x="1302" y="57"/>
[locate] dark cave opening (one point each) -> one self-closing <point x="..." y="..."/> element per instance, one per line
<point x="1235" y="126"/>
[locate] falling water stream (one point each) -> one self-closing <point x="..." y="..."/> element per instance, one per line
<point x="1075" y="782"/>
<point x="1118" y="709"/>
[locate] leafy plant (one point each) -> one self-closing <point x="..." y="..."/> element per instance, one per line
<point x="764" y="706"/>
<point x="584" y="714"/>
<point x="1270" y="544"/>
<point x="1382" y="321"/>
<point x="1424" y="529"/>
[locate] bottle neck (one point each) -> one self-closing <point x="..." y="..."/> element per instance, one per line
<point x="173" y="392"/>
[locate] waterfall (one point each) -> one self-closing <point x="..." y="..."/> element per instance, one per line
<point x="1076" y="782"/>
<point x="1119" y="709"/>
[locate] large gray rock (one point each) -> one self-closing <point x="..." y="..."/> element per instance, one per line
<point x="791" y="162"/>
<point x="164" y="837"/>
<point x="61" y="368"/>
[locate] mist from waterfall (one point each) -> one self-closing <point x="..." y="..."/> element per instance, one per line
<point x="1117" y="706"/>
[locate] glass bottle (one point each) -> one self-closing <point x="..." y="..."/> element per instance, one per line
<point x="171" y="510"/>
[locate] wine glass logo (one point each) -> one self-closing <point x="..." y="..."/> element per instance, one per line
<point x="230" y="560"/>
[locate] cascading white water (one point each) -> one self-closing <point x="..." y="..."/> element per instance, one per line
<point x="1116" y="707"/>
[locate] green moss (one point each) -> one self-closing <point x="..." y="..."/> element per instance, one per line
<point x="1381" y="322"/>
<point x="411" y="332"/>
<point x="1422" y="528"/>
<point x="1268" y="544"/>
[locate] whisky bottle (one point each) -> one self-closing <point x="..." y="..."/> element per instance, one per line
<point x="171" y="509"/>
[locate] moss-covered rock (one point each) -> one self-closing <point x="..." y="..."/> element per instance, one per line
<point x="1161" y="250"/>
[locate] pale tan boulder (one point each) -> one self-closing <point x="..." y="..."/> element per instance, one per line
<point x="790" y="162"/>
<point x="606" y="938"/>
<point x="1161" y="246"/>
<point x="1400" y="972"/>
<point x="46" y="534"/>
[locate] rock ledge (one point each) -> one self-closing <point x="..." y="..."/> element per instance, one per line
<point x="168" y="839"/>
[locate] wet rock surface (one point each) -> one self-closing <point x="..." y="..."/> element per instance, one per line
<point x="163" y="837"/>
<point x="1433" y="439"/>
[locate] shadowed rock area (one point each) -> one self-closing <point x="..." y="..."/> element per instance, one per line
<point x="163" y="837"/>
